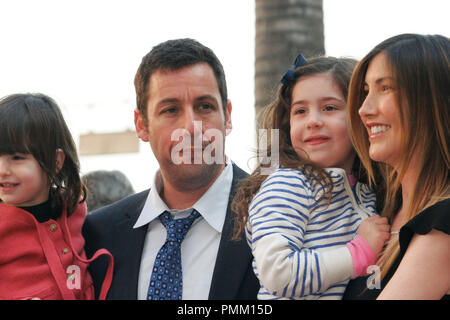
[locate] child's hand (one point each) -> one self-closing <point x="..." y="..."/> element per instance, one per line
<point x="375" y="230"/>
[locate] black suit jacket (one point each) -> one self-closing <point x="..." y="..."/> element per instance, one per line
<point x="111" y="227"/>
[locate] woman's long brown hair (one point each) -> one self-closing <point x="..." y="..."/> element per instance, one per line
<point x="420" y="65"/>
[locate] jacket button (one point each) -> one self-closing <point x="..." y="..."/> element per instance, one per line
<point x="53" y="227"/>
<point x="65" y="250"/>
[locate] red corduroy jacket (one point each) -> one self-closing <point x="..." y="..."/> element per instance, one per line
<point x="45" y="260"/>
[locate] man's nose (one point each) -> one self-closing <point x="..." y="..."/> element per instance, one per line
<point x="191" y="122"/>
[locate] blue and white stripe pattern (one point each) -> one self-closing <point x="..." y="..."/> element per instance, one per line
<point x="298" y="244"/>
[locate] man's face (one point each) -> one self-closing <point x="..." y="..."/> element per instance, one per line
<point x="185" y="121"/>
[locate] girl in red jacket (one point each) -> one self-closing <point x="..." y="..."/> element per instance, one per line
<point x="42" y="205"/>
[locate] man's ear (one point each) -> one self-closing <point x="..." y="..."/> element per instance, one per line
<point x="141" y="128"/>
<point x="60" y="157"/>
<point x="228" y="124"/>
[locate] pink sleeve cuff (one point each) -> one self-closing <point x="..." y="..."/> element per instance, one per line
<point x="362" y="255"/>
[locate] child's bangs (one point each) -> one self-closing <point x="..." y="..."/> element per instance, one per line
<point x="14" y="138"/>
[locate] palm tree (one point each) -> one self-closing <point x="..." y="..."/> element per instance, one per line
<point x="283" y="29"/>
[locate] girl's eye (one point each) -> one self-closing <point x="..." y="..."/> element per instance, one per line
<point x="330" y="108"/>
<point x="18" y="157"/>
<point x="385" y="88"/>
<point x="300" y="111"/>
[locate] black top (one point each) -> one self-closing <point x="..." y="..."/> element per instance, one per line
<point x="435" y="217"/>
<point x="43" y="211"/>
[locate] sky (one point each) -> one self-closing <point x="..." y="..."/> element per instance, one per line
<point x="85" y="54"/>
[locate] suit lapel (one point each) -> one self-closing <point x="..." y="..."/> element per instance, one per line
<point x="128" y="244"/>
<point x="233" y="257"/>
<point x="232" y="263"/>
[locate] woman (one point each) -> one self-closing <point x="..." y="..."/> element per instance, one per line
<point x="399" y="105"/>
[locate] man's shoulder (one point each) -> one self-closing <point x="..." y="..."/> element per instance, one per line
<point x="238" y="173"/>
<point x="120" y="209"/>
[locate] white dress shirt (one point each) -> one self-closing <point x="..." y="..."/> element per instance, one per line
<point x="200" y="246"/>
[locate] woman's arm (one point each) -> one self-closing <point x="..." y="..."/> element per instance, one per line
<point x="424" y="272"/>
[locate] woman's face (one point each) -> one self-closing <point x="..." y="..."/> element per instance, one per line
<point x="380" y="112"/>
<point x="319" y="126"/>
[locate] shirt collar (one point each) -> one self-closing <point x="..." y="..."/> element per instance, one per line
<point x="212" y="205"/>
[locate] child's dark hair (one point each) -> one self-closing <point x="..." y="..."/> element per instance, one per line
<point x="33" y="124"/>
<point x="277" y="116"/>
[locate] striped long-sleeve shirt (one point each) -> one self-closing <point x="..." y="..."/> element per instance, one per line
<point x="298" y="244"/>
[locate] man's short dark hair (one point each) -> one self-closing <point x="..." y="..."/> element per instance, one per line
<point x="173" y="55"/>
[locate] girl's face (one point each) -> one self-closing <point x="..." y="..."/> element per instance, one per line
<point x="23" y="183"/>
<point x="318" y="121"/>
<point x="380" y="112"/>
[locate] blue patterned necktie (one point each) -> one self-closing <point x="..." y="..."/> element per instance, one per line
<point x="166" y="282"/>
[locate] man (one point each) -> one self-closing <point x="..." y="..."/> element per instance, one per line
<point x="183" y="112"/>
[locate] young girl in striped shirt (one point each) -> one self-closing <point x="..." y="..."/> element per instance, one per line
<point x="311" y="224"/>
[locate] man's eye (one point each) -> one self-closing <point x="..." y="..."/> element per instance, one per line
<point x="206" y="106"/>
<point x="170" y="110"/>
